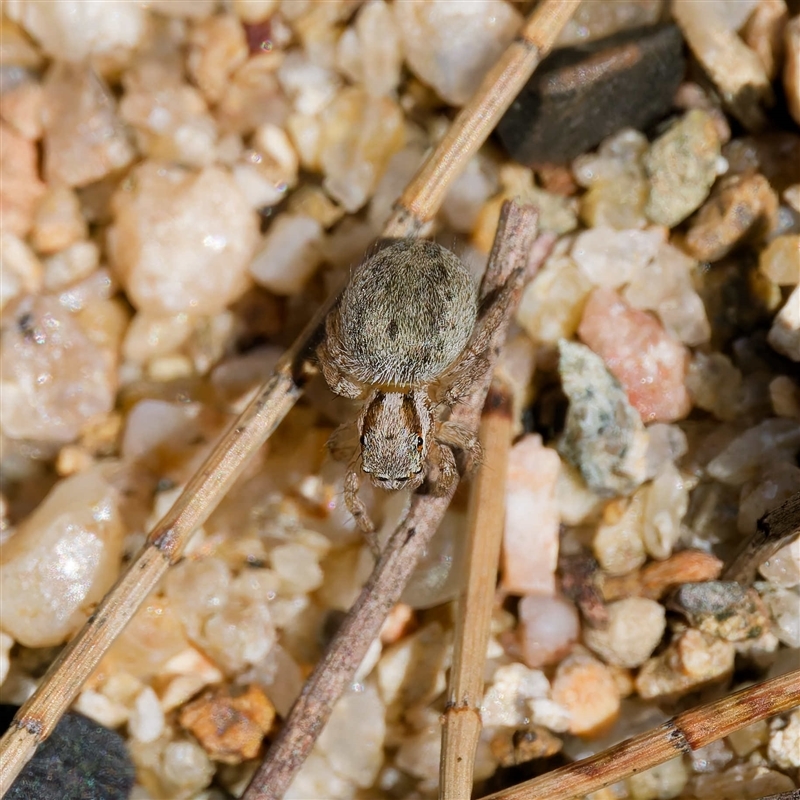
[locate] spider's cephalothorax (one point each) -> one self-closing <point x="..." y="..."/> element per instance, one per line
<point x="404" y="330"/>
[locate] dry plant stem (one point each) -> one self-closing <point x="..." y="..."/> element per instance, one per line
<point x="418" y="204"/>
<point x="682" y="734"/>
<point x="776" y="529"/>
<point x="513" y="244"/>
<point x="462" y="719"/>
<point x="469" y="130"/>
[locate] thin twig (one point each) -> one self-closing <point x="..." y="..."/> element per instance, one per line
<point x="36" y="720"/>
<point x="775" y="529"/>
<point x="680" y="735"/>
<point x="513" y="244"/>
<point x="462" y="719"/>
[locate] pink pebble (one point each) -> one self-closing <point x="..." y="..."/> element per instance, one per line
<point x="644" y="358"/>
<point x="530" y="540"/>
<point x="548" y="627"/>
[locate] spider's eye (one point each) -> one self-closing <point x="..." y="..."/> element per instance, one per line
<point x="420" y="442"/>
<point x="363" y="440"/>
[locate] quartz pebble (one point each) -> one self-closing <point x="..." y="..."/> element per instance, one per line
<point x="784" y="395"/>
<point x="744" y="206"/>
<point x="613" y="258"/>
<point x="242" y="633"/>
<point x="217" y="47"/>
<point x="783" y="605"/>
<point x="783" y="568"/>
<point x="635" y="627"/>
<point x="20" y="186"/>
<point x="317" y="778"/>
<point x="548" y="626"/>
<point x="593" y="21"/>
<point x="690" y="661"/>
<point x="665" y="285"/>
<point x="791" y="67"/>
<point x="768" y="442"/>
<point x="21" y="108"/>
<point x="664" y="781"/>
<point x="71" y="30"/>
<point x="784" y="335"/>
<point x="681" y="166"/>
<point x="6" y="643"/>
<point x="779" y="261"/>
<point x="58" y="222"/>
<point x="637" y="350"/>
<point x="84" y="140"/>
<point x="360" y="134"/>
<point x="146" y="722"/>
<point x="451" y="46"/>
<point x="774" y="484"/>
<point x="715" y="384"/>
<point x="357" y="716"/>
<point x="603" y="436"/>
<point x="551" y="306"/>
<point x="199" y="224"/>
<point x="230" y="723"/>
<point x="289" y="254"/>
<point x="530" y="539"/>
<point x="585" y="687"/>
<point x="61" y="560"/>
<point x="21" y="272"/>
<point x="55" y="378"/>
<point x="784" y="744"/>
<point x="618" y="544"/>
<point x="73" y="264"/>
<point x="513" y="692"/>
<point x="666" y="504"/>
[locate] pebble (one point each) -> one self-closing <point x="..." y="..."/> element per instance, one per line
<point x="548" y="627"/>
<point x="666" y="445"/>
<point x="745" y="781"/>
<point x="613" y="258"/>
<point x="616" y="185"/>
<point x="783" y="605"/>
<point x="779" y="261"/>
<point x="732" y="66"/>
<point x="72" y="264"/>
<point x="469" y="193"/>
<point x="552" y="305"/>
<point x="791" y="67"/>
<point x="253" y="97"/>
<point x="603" y="436"/>
<point x="298" y="568"/>
<point x="508" y="699"/>
<point x="269" y="170"/>
<point x="6" y="643"/>
<point x="84" y="139"/>
<point x="21" y="108"/>
<point x="666" y="505"/>
<point x="22" y="271"/>
<point x="229" y="722"/>
<point x="289" y="254"/>
<point x="185" y="768"/>
<point x="784" y="335"/>
<point x="511" y="748"/>
<point x="58" y="222"/>
<point x="317" y="778"/>
<point x="635" y="627"/>
<point x="254" y="11"/>
<point x="691" y="660"/>
<point x="451" y="46"/>
<point x="369" y="52"/>
<point x="665" y="285"/>
<point x="681" y="165"/>
<point x="47" y="360"/>
<point x="784" y="744"/>
<point x="746" y="740"/>
<point x="664" y="781"/>
<point x="71" y="30"/>
<point x="769" y="442"/>
<point x="79" y="754"/>
<point x="171" y="122"/>
<point x="774" y="484"/>
<point x="240" y="634"/>
<point x="20" y="186"/>
<point x="593" y="21"/>
<point x="581" y="95"/>
<point x="530" y="538"/>
<point x="647" y="361"/>
<point x="722" y="609"/>
<point x="618" y="544"/>
<point x="586" y="688"/>
<point x="715" y="385"/>
<point x="742" y="208"/>
<point x="358" y="716"/>
<point x="61" y="560"/>
<point x="200" y="224"/>
<point x="146" y="722"/>
<point x="784" y="395"/>
<point x="577" y="503"/>
<point x="685" y="566"/>
<point x="359" y="135"/>
<point x="217" y="48"/>
<point x="783" y="569"/>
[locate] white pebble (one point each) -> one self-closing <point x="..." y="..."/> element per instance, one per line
<point x="507" y="699"/>
<point x="186" y="766"/>
<point x="298" y="568"/>
<point x="548" y="628"/>
<point x="240" y="635"/>
<point x="6" y="643"/>
<point x="146" y="722"/>
<point x="612" y="258"/>
<point x="61" y="560"/>
<point x="784" y="744"/>
<point x="21" y="270"/>
<point x="666" y="505"/>
<point x="289" y="254"/>
<point x="783" y="569"/>
<point x="530" y="539"/>
<point x="101" y="708"/>
<point x="635" y="627"/>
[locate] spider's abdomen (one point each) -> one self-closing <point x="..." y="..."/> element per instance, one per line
<point x="406" y="314"/>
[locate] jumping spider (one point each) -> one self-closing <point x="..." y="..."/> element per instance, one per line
<point x="404" y="338"/>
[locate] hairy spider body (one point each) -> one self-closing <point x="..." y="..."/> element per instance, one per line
<point x="405" y="329"/>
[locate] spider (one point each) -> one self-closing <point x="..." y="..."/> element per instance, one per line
<point x="406" y="338"/>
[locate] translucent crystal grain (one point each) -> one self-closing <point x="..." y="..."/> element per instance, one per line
<point x="780" y="260"/>
<point x="612" y="258"/>
<point x="635" y="627"/>
<point x="61" y="560"/>
<point x="548" y="626"/>
<point x="199" y="224"/>
<point x="54" y="377"/>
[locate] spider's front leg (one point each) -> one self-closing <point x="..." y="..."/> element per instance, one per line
<point x="356" y="507"/>
<point x="451" y="434"/>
